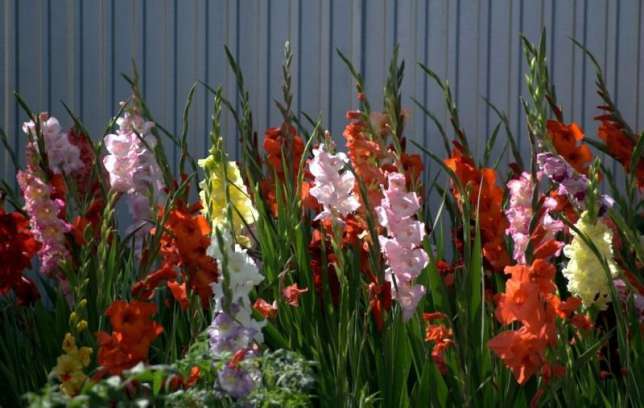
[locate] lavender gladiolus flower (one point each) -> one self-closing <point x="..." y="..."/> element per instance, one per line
<point x="571" y="183"/>
<point x="235" y="381"/>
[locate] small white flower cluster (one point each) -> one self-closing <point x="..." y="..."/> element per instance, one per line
<point x="233" y="329"/>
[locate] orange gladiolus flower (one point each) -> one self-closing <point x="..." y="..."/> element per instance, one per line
<point x="441" y="336"/>
<point x="179" y="292"/>
<point x="366" y="158"/>
<point x="620" y="146"/>
<point x="292" y="294"/>
<point x="278" y="144"/>
<point x="521" y="350"/>
<point x="284" y="150"/>
<point x="492" y="220"/>
<point x="530" y="298"/>
<point x="183" y="247"/>
<point x="268" y="310"/>
<point x="565" y="139"/>
<point x="133" y="331"/>
<point x="567" y="307"/>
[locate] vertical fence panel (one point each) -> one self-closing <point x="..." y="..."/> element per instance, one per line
<point x="75" y="51"/>
<point x="5" y="164"/>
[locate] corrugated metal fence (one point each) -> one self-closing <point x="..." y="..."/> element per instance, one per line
<point x="75" y="50"/>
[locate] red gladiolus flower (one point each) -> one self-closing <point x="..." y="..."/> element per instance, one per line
<point x="277" y="143"/>
<point x="17" y="247"/>
<point x="379" y="302"/>
<point x="318" y="264"/>
<point x="620" y="146"/>
<point x="581" y="322"/>
<point x="567" y="307"/>
<point x="82" y="176"/>
<point x="446" y="272"/>
<point x="177" y="381"/>
<point x="412" y="166"/>
<point x="91" y="218"/>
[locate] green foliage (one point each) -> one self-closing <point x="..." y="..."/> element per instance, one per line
<point x="286" y="381"/>
<point x="329" y="351"/>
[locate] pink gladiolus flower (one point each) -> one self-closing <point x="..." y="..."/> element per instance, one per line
<point x="402" y="245"/>
<point x="46" y="226"/>
<point x="132" y="166"/>
<point x="332" y="188"/>
<point x="519" y="215"/>
<point x="62" y="155"/>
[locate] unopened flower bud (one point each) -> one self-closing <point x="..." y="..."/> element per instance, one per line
<point x="82" y="325"/>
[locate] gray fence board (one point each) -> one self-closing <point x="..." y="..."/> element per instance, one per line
<point x="75" y="50"/>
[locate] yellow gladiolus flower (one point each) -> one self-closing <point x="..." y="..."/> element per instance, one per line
<point x="223" y="182"/>
<point x="69" y="343"/>
<point x="585" y="273"/>
<point x="69" y="366"/>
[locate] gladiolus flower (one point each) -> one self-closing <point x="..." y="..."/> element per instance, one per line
<point x="233" y="329"/>
<point x="17" y="247"/>
<point x="620" y="146"/>
<point x="70" y="365"/>
<point x="570" y="183"/>
<point x="292" y="294"/>
<point x="491" y="219"/>
<point x="133" y="331"/>
<point x="133" y="168"/>
<point x="179" y="292"/>
<point x="519" y="215"/>
<point x="565" y="139"/>
<point x="441" y="336"/>
<point x="366" y="158"/>
<point x="235" y="381"/>
<point x="332" y="188"/>
<point x="584" y="271"/>
<point x="284" y="140"/>
<point x="46" y="225"/>
<point x="521" y="350"/>
<point x="402" y="246"/>
<point x="530" y="299"/>
<point x="223" y="186"/>
<point x="184" y="244"/>
<point x="62" y="156"/>
<point x="268" y="310"/>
